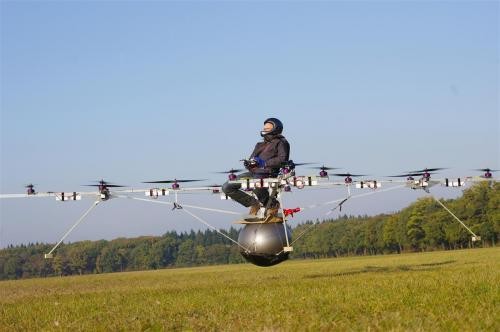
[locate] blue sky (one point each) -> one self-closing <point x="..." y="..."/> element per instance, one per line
<point x="134" y="91"/>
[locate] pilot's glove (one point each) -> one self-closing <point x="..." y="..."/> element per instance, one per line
<point x="261" y="163"/>
<point x="249" y="163"/>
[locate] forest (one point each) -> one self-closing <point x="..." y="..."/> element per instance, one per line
<point x="422" y="226"/>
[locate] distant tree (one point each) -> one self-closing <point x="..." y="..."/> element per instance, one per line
<point x="60" y="265"/>
<point x="390" y="234"/>
<point x="108" y="260"/>
<point x="200" y="255"/>
<point x="217" y="254"/>
<point x="434" y="230"/>
<point x="12" y="268"/>
<point x="77" y="257"/>
<point x="161" y="252"/>
<point x="414" y="226"/>
<point x="186" y="255"/>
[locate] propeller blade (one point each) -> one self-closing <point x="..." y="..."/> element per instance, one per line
<point x="173" y="181"/>
<point x="349" y="174"/>
<point x="409" y="174"/>
<point x="302" y="164"/>
<point x="191" y="180"/>
<point x="325" y="168"/>
<point x="398" y="176"/>
<point x="486" y="170"/>
<point x="102" y="182"/>
<point x="230" y="171"/>
<point x="164" y="181"/>
<point x="427" y="170"/>
<point x="105" y="185"/>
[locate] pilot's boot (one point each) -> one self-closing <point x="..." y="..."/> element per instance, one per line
<point x="272" y="214"/>
<point x="254" y="209"/>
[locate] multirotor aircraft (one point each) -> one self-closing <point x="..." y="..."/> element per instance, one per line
<point x="261" y="243"/>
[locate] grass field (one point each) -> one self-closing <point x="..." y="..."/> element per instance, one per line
<point x="452" y="290"/>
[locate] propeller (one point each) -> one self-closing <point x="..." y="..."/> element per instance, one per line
<point x="410" y="174"/>
<point x="232" y="170"/>
<point x="348" y="174"/>
<point x="106" y="185"/>
<point x="427" y="170"/>
<point x="31" y="188"/>
<point x="421" y="172"/>
<point x="103" y="183"/>
<point x="292" y="164"/>
<point x="326" y="168"/>
<point x="173" y="181"/>
<point x="486" y="170"/>
<point x="302" y="164"/>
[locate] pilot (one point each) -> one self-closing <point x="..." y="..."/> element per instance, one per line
<point x="265" y="161"/>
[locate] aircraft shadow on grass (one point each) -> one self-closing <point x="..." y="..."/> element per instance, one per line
<point x="383" y="269"/>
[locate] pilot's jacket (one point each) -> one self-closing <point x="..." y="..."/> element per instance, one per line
<point x="275" y="150"/>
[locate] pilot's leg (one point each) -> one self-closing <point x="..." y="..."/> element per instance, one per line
<point x="234" y="191"/>
<point x="262" y="195"/>
<point x="272" y="208"/>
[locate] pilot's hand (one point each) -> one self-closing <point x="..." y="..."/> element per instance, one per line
<point x="261" y="163"/>
<point x="249" y="163"/>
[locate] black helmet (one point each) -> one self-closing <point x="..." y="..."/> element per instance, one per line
<point x="277" y="126"/>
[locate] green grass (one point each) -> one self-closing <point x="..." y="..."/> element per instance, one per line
<point x="452" y="290"/>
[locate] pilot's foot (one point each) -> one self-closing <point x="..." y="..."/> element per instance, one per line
<point x="254" y="209"/>
<point x="272" y="215"/>
<point x="273" y="219"/>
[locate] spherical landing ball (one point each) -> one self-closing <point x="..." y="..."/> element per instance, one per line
<point x="264" y="243"/>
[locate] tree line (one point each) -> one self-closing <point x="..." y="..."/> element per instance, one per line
<point x="424" y="225"/>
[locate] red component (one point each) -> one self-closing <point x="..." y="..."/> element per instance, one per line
<point x="290" y="212"/>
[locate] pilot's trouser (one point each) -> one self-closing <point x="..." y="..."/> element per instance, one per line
<point x="234" y="191"/>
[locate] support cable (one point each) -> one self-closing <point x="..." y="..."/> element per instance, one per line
<point x="280" y="200"/>
<point x="49" y="255"/>
<point x="460" y="221"/>
<point x="339" y="205"/>
<point x="184" y="205"/>
<point x="215" y="229"/>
